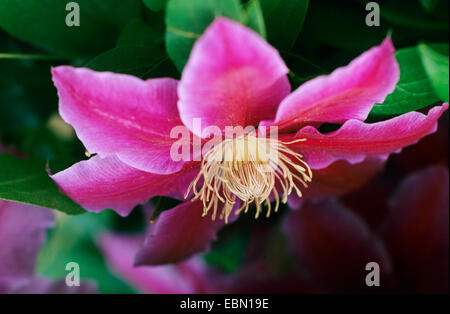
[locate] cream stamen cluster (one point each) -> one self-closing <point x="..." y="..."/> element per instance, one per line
<point x="248" y="168"/>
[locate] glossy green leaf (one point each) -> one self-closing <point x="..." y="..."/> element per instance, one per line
<point x="155" y="5"/>
<point x="138" y="53"/>
<point x="43" y="23"/>
<point x="284" y="20"/>
<point x="26" y="181"/>
<point x="413" y="91"/>
<point x="186" y="21"/>
<point x="253" y="17"/>
<point x="436" y="63"/>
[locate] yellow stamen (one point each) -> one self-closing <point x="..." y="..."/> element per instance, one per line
<point x="248" y="167"/>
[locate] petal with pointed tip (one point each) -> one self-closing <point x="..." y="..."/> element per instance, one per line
<point x="348" y="93"/>
<point x="101" y="183"/>
<point x="179" y="233"/>
<point x="233" y="78"/>
<point x="122" y="115"/>
<point x="356" y="140"/>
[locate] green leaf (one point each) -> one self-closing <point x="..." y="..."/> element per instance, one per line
<point x="411" y="16"/>
<point x="26" y="181"/>
<point x="155" y="5"/>
<point x="43" y="23"/>
<point x="228" y="254"/>
<point x="284" y="20"/>
<point x="139" y="33"/>
<point x="28" y="102"/>
<point x="25" y="56"/>
<point x="413" y="91"/>
<point x="27" y="97"/>
<point x="186" y="21"/>
<point x="73" y="239"/>
<point x="340" y="26"/>
<point x="253" y="17"/>
<point x="137" y="53"/>
<point x="300" y="68"/>
<point x="436" y="63"/>
<point x="429" y="5"/>
<point x="134" y="60"/>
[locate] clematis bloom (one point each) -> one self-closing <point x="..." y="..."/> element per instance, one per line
<point x="233" y="78"/>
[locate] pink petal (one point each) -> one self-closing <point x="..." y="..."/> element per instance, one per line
<point x="417" y="231"/>
<point x="121" y="114"/>
<point x="418" y="156"/>
<point x="182" y="278"/>
<point x="22" y="233"/>
<point x="179" y="233"/>
<point x="334" y="246"/>
<point x="233" y="78"/>
<point x="355" y="139"/>
<point x="347" y="93"/>
<point x="100" y="183"/>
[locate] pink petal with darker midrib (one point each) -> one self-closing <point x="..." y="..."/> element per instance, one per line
<point x="348" y="93"/>
<point x="121" y="114"/>
<point x="233" y="78"/>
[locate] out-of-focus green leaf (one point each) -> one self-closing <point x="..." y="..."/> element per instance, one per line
<point x="134" y="60"/>
<point x="337" y="24"/>
<point x="156" y="20"/>
<point x="155" y="5"/>
<point x="228" y="253"/>
<point x="139" y="33"/>
<point x="27" y="97"/>
<point x="26" y="181"/>
<point x="74" y="240"/>
<point x="429" y="5"/>
<point x="27" y="101"/>
<point x="43" y="23"/>
<point x="29" y="56"/>
<point x="413" y="91"/>
<point x="186" y="21"/>
<point x="253" y="17"/>
<point x="411" y="16"/>
<point x="284" y="20"/>
<point x="278" y="252"/>
<point x="301" y="69"/>
<point x="436" y="63"/>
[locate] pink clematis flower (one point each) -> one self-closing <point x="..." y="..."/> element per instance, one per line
<point x="233" y="79"/>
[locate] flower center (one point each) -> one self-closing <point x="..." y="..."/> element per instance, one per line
<point x="249" y="168"/>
